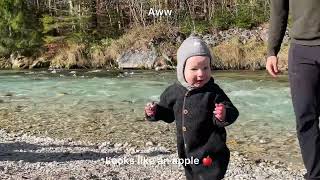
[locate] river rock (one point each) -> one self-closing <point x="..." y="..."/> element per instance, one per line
<point x="149" y="143"/>
<point x="264" y="34"/>
<point x="137" y="59"/>
<point x="20" y="62"/>
<point x="40" y="63"/>
<point x="211" y="39"/>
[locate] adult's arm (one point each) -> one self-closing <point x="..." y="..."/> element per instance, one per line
<point x="278" y="25"/>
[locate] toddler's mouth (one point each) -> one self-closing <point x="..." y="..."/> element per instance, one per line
<point x="199" y="82"/>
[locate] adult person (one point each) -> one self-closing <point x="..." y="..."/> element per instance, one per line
<point x="304" y="71"/>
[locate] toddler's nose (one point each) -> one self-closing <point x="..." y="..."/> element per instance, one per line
<point x="200" y="73"/>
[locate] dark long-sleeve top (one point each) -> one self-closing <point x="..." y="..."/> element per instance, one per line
<point x="305" y="28"/>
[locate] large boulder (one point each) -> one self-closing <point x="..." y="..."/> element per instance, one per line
<point x="133" y="59"/>
<point x="19" y="62"/>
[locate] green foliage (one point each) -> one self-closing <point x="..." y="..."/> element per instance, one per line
<point x="25" y="27"/>
<point x="106" y="41"/>
<point x="70" y="29"/>
<point x="53" y="39"/>
<point x="48" y="23"/>
<point x="79" y="37"/>
<point x="244" y="15"/>
<point x="3" y="50"/>
<point x="189" y="26"/>
<point x="223" y="19"/>
<point x="112" y="30"/>
<point x="18" y="28"/>
<point x="250" y="15"/>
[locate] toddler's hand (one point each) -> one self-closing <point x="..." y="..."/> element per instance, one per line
<point x="220" y="112"/>
<point x="150" y="109"/>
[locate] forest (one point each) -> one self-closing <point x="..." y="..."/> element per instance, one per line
<point x="26" y="25"/>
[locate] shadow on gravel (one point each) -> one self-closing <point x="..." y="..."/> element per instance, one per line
<point x="23" y="151"/>
<point x="154" y="153"/>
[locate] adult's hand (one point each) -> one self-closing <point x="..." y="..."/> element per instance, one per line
<point x="272" y="66"/>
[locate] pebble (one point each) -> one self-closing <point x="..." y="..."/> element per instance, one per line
<point x="149" y="143"/>
<point x="102" y="145"/>
<point x="117" y="145"/>
<point x="262" y="141"/>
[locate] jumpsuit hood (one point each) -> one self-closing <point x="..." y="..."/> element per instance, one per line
<point x="192" y="46"/>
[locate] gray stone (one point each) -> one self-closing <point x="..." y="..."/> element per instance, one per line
<point x="137" y="59"/>
<point x="149" y="143"/>
<point x="40" y="63"/>
<point x="210" y="39"/>
<point x="19" y="62"/>
<point x="103" y="145"/>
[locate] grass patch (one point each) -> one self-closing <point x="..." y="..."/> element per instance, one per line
<point x="235" y="55"/>
<point x="71" y="57"/>
<point x="249" y="56"/>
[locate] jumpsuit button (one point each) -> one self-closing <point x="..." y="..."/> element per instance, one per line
<point x="184" y="129"/>
<point x="185" y="111"/>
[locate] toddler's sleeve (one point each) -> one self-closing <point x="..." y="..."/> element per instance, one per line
<point x="165" y="106"/>
<point x="232" y="112"/>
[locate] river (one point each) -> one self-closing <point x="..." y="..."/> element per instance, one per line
<point x="108" y="106"/>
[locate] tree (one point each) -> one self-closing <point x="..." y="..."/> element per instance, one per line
<point x="19" y="27"/>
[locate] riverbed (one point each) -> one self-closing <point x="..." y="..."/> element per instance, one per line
<point x="106" y="105"/>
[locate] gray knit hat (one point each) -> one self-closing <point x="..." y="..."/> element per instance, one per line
<point x="192" y="46"/>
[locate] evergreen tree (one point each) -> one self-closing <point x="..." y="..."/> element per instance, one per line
<point x="19" y="27"/>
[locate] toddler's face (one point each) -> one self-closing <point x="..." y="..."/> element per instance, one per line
<point x="197" y="71"/>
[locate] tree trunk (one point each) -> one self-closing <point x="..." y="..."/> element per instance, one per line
<point x="134" y="13"/>
<point x="94" y="12"/>
<point x="38" y="6"/>
<point x="119" y="22"/>
<point x="55" y="7"/>
<point x="142" y="15"/>
<point x="71" y="14"/>
<point x="49" y="5"/>
<point x="205" y="10"/>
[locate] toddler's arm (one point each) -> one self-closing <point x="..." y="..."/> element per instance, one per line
<point x="162" y="110"/>
<point x="229" y="113"/>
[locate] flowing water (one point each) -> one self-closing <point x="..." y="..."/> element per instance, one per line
<point x="108" y="106"/>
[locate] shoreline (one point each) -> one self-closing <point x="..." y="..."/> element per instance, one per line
<point x="23" y="157"/>
<point x="235" y="48"/>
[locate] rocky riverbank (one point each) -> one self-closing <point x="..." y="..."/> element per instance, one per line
<point x="29" y="157"/>
<point x="153" y="47"/>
